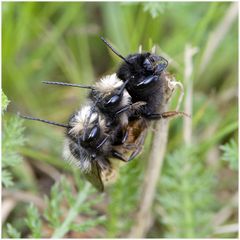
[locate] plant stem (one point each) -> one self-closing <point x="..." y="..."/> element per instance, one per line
<point x="188" y="207"/>
<point x="218" y="34"/>
<point x="73" y="212"/>
<point x="153" y="171"/>
<point x="188" y="72"/>
<point x="188" y="218"/>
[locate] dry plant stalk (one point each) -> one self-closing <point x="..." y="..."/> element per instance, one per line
<point x="23" y="196"/>
<point x="187" y="122"/>
<point x="8" y="205"/>
<point x="230" y="228"/>
<point x="218" y="35"/>
<point x="159" y="142"/>
<point x="225" y="213"/>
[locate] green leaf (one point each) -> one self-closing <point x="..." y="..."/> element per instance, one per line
<point x="185" y="194"/>
<point x="5" y="102"/>
<point x="7" y="180"/>
<point x="64" y="227"/>
<point x="33" y="221"/>
<point x="230" y="154"/>
<point x="12" y="138"/>
<point x="12" y="232"/>
<point x="124" y="196"/>
<point x="88" y="224"/>
<point x="154" y="8"/>
<point x="53" y="211"/>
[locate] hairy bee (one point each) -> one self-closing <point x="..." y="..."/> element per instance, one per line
<point x="144" y="75"/>
<point x="88" y="147"/>
<point x="98" y="135"/>
<point x="109" y="97"/>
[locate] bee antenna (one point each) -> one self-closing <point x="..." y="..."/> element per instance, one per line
<point x="69" y="84"/>
<point x="123" y="86"/>
<point x="42" y="120"/>
<point x="166" y="61"/>
<point x="118" y="54"/>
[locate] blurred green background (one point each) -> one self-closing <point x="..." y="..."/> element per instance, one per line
<point x="60" y="42"/>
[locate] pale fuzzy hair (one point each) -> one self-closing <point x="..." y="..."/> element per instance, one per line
<point x="84" y="164"/>
<point x="108" y="83"/>
<point x="79" y="119"/>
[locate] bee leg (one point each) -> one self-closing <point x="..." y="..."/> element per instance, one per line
<point x="134" y="154"/>
<point x="133" y="106"/>
<point x="130" y="146"/>
<point x="170" y="114"/>
<point x="138" y="150"/>
<point x="102" y="142"/>
<point x="125" y="136"/>
<point x="119" y="156"/>
<point x="120" y="136"/>
<point x="123" y="109"/>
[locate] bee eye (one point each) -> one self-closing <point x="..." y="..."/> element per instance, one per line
<point x="112" y="101"/>
<point x="92" y="134"/>
<point x="162" y="64"/>
<point x="147" y="64"/>
<point x="147" y="82"/>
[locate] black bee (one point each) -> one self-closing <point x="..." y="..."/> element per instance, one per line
<point x="144" y="74"/>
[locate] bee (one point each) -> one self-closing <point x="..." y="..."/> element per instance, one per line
<point x="145" y="76"/>
<point x="98" y="135"/>
<point x="113" y="103"/>
<point x="88" y="146"/>
<point x="113" y="125"/>
<point x="92" y="150"/>
<point x="88" y="149"/>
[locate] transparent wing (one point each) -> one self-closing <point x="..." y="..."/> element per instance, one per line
<point x="94" y="176"/>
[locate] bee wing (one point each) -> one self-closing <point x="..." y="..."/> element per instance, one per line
<point x="139" y="144"/>
<point x="110" y="175"/>
<point x="94" y="176"/>
<point x="137" y="130"/>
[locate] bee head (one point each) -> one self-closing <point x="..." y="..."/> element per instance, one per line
<point x="108" y="93"/>
<point x="91" y="134"/>
<point x="143" y="64"/>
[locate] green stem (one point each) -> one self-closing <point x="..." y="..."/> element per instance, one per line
<point x="72" y="214"/>
<point x="203" y="147"/>
<point x="37" y="155"/>
<point x="188" y="210"/>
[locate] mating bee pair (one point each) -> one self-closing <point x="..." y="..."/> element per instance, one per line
<point x="112" y="125"/>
